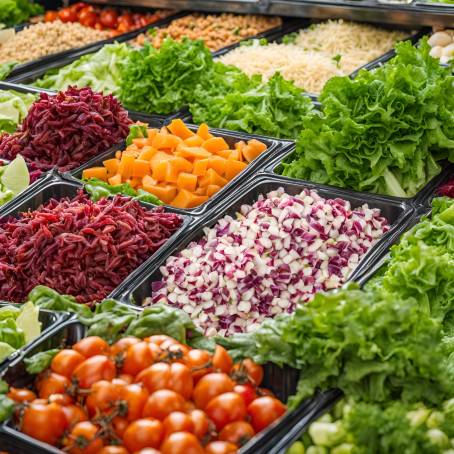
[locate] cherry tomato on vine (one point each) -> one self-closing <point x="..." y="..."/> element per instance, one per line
<point x="177" y="421"/>
<point x="65" y="361"/>
<point x="264" y="410"/>
<point x="52" y="383"/>
<point x="154" y="377"/>
<point x="104" y="396"/>
<point x="74" y="414"/>
<point x="122" y="345"/>
<point x="163" y="402"/>
<point x="181" y="380"/>
<point x="93" y="369"/>
<point x="143" y="433"/>
<point x="50" y="16"/>
<point x="109" y="18"/>
<point x="237" y="432"/>
<point x="182" y="442"/>
<point x="91" y="346"/>
<point x="21" y="394"/>
<point x="226" y="408"/>
<point x="209" y="386"/>
<point x="248" y="370"/>
<point x="222" y="361"/>
<point x="112" y="449"/>
<point x="201" y="423"/>
<point x="138" y="357"/>
<point x="120" y="424"/>
<point x="199" y="362"/>
<point x="221" y="447"/>
<point x="247" y="392"/>
<point x="83" y="439"/>
<point x="135" y="396"/>
<point x="61" y="399"/>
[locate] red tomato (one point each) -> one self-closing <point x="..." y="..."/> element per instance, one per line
<point x="199" y="362"/>
<point x="126" y="19"/>
<point x="248" y="370"/>
<point x="109" y="18"/>
<point x="209" y="386"/>
<point x="87" y="18"/>
<point x="103" y="398"/>
<point x="74" y="414"/>
<point x="143" y="433"/>
<point x="135" y="397"/>
<point x="226" y="408"/>
<point x="137" y="358"/>
<point x="52" y="383"/>
<point x="148" y="451"/>
<point x="177" y="421"/>
<point x="123" y="344"/>
<point x="21" y="394"/>
<point x="83" y="439"/>
<point x="45" y="422"/>
<point x="126" y="378"/>
<point x="120" y="424"/>
<point x="155" y="377"/>
<point x="111" y="449"/>
<point x="51" y="16"/>
<point x="264" y="410"/>
<point x="158" y="339"/>
<point x="201" y="423"/>
<point x="78" y="6"/>
<point x="66" y="15"/>
<point x="181" y="380"/>
<point x="221" y="447"/>
<point x="247" y="392"/>
<point x="61" y="399"/>
<point x="91" y="346"/>
<point x="163" y="402"/>
<point x="237" y="432"/>
<point x="222" y="361"/>
<point x="65" y="361"/>
<point x="182" y="442"/>
<point x="174" y="351"/>
<point x="93" y="369"/>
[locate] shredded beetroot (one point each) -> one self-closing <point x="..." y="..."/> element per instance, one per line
<point x="79" y="247"/>
<point x="67" y="129"/>
<point x="447" y="189"/>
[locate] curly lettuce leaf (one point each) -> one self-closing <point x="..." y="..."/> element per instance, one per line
<point x="13" y="109"/>
<point x="14" y="12"/>
<point x="384" y="131"/>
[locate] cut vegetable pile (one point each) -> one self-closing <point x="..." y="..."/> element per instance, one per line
<point x="79" y="247"/>
<point x="278" y="252"/>
<point x="180" y="167"/>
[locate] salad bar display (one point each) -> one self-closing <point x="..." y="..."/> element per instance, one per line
<point x="225" y="231"/>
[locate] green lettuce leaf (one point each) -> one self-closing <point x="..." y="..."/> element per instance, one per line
<point x="13" y="109"/>
<point x="40" y="361"/>
<point x="14" y="12"/>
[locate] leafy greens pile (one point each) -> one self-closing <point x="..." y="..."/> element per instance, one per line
<point x="13" y="109"/>
<point x="383" y="131"/>
<point x="14" y="12"/>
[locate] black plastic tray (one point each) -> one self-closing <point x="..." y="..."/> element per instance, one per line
<point x="274" y="147"/>
<point x="282" y="381"/>
<point x="25" y="68"/>
<point x="419" y="198"/>
<point x="397" y="212"/>
<point x="49" y="321"/>
<point x="54" y="185"/>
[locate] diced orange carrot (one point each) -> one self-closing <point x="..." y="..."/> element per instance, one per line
<point x="147" y="153"/>
<point x="159" y="157"/>
<point x="125" y="167"/>
<point x="174" y="167"/>
<point x="187" y="181"/>
<point x="178" y="128"/>
<point x="193" y="141"/>
<point x="141" y="168"/>
<point x="212" y="189"/>
<point x="165" y="193"/>
<point x="111" y="165"/>
<point x="200" y="167"/>
<point x="115" y="180"/>
<point x="140" y="142"/>
<point x="204" y="132"/>
<point x="215" y="144"/>
<point x="212" y="177"/>
<point x="166" y="141"/>
<point x="217" y="163"/>
<point x="250" y="152"/>
<point x="233" y="168"/>
<point x="186" y="199"/>
<point x="192" y="152"/>
<point x="160" y="171"/>
<point x="96" y="172"/>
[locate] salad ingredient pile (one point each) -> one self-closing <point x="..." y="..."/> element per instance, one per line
<point x="315" y="54"/>
<point x="15" y="12"/>
<point x="18" y="326"/>
<point x="153" y="393"/>
<point x="14" y="178"/>
<point x="79" y="247"/>
<point x="278" y="252"/>
<point x="13" y="109"/>
<point x="67" y="129"/>
<point x="442" y="43"/>
<point x="216" y="31"/>
<point x="39" y="40"/>
<point x="180" y="167"/>
<point x="383" y="131"/>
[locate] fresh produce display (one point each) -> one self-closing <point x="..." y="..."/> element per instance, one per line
<point x="442" y="43"/>
<point x="14" y="178"/>
<point x="363" y="428"/>
<point x="114" y="20"/>
<point x="67" y="129"/>
<point x="13" y="109"/>
<point x="100" y="71"/>
<point x="216" y="31"/>
<point x="145" y="393"/>
<point x="276" y="253"/>
<point x="447" y="189"/>
<point x="18" y="326"/>
<point x="313" y="55"/>
<point x="39" y="40"/>
<point x="383" y="131"/>
<point x="78" y="246"/>
<point x="180" y="167"/>
<point x="14" y="12"/>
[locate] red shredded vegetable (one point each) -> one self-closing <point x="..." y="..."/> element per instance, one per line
<point x="447" y="189"/>
<point x="67" y="129"/>
<point x="79" y="247"/>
